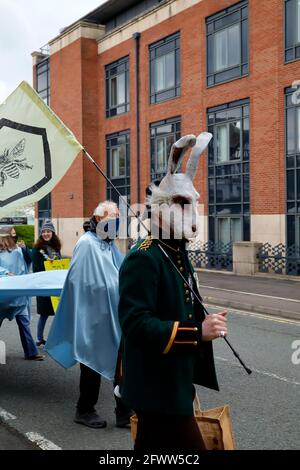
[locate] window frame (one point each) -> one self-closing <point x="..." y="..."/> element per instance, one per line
<point x="212" y="30"/>
<point x="229" y="218"/>
<point x="176" y="132"/>
<point x="112" y="110"/>
<point x="154" y="95"/>
<point x="295" y="48"/>
<point x="235" y="111"/>
<point x="292" y="168"/>
<point x="43" y="63"/>
<point x="122" y="183"/>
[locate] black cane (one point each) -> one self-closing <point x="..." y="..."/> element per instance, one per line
<point x="249" y="371"/>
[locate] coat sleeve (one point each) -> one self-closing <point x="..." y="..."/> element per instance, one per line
<point x="37" y="261"/>
<point x="3" y="271"/>
<point x="27" y="256"/>
<point x="139" y="277"/>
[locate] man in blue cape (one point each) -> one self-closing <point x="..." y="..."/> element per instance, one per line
<point x="86" y="327"/>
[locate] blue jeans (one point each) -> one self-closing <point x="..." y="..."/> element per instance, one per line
<point x="27" y="341"/>
<point x="41" y="327"/>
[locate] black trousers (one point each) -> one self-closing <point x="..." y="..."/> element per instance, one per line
<point x="157" y="432"/>
<point x="89" y="387"/>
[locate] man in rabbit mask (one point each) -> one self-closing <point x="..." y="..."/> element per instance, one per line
<point x="167" y="338"/>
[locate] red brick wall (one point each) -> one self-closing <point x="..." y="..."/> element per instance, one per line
<point x="78" y="86"/>
<point x="66" y="102"/>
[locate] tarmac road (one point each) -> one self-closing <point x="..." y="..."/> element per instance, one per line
<point x="38" y="399"/>
<point x="279" y="296"/>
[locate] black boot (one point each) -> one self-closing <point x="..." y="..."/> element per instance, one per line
<point x="123" y="414"/>
<point x="90" y="419"/>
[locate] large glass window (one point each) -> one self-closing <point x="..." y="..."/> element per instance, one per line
<point x="292" y="30"/>
<point x="292" y="167"/>
<point x="165" y="69"/>
<point x="118" y="164"/>
<point x="43" y="89"/>
<point x="44" y="210"/>
<point x="229" y="229"/>
<point x="163" y="135"/>
<point x="117" y="87"/>
<point x="227" y="44"/>
<point x="228" y="172"/>
<point x="43" y="80"/>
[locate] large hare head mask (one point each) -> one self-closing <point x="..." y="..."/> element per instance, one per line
<point x="174" y="202"/>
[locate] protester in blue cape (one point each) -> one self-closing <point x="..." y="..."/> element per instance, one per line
<point x="12" y="263"/>
<point x="86" y="327"/>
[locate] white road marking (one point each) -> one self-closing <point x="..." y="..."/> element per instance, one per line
<point x="43" y="443"/>
<point x="261" y="372"/>
<point x="257" y="315"/>
<point x="251" y="293"/>
<point x="5" y="415"/>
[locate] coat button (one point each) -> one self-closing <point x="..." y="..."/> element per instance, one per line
<point x="190" y="316"/>
<point x="187" y="291"/>
<point x="195" y="343"/>
<point x="181" y="268"/>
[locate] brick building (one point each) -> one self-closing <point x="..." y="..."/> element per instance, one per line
<point x="131" y="77"/>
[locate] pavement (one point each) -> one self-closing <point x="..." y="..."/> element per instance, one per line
<point x="270" y="295"/>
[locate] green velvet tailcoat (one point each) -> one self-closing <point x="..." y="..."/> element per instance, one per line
<point x="163" y="354"/>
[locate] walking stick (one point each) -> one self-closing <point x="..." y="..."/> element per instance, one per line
<point x="249" y="371"/>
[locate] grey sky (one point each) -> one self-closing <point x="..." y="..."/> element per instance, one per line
<point x="27" y="25"/>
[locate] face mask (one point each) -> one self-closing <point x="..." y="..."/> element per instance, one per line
<point x="108" y="229"/>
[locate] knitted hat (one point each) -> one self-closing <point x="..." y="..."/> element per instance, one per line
<point x="48" y="225"/>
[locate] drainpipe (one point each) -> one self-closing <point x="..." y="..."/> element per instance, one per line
<point x="136" y="37"/>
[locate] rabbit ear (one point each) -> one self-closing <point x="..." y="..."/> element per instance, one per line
<point x="202" y="142"/>
<point x="178" y="150"/>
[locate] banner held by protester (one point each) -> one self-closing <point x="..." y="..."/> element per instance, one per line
<point x="36" y="149"/>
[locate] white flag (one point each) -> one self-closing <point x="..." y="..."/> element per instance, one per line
<point x="36" y="149"/>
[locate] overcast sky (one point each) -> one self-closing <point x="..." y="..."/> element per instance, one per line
<point x="27" y="25"/>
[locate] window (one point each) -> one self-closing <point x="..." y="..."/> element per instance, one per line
<point x="43" y="89"/>
<point x="118" y="161"/>
<point x="229" y="229"/>
<point x="164" y="69"/>
<point x="117" y="87"/>
<point x="228" y="141"/>
<point x="118" y="164"/>
<point x="292" y="30"/>
<point x="297" y="242"/>
<point x="163" y="135"/>
<point x="227" y="44"/>
<point x="292" y="167"/>
<point x="43" y="80"/>
<point x="44" y="209"/>
<point x="228" y="172"/>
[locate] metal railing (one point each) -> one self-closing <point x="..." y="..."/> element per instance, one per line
<point x="279" y="259"/>
<point x="211" y="255"/>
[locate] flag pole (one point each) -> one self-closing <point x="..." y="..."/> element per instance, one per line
<point x="88" y="156"/>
